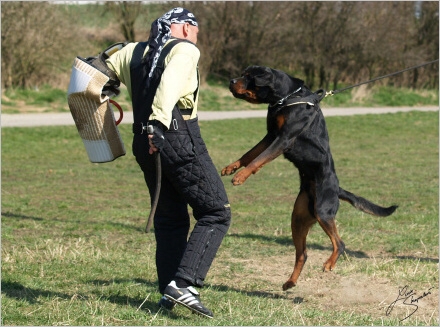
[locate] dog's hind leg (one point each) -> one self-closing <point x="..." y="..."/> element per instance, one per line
<point x="327" y="205"/>
<point x="329" y="226"/>
<point x="302" y="220"/>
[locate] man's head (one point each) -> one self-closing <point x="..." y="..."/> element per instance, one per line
<point x="178" y="22"/>
<point x="185" y="31"/>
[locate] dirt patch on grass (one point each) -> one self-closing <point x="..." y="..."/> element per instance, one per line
<point x="344" y="289"/>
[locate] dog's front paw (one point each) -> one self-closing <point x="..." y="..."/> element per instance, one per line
<point x="240" y="177"/>
<point x="232" y="168"/>
<point x="288" y="284"/>
<point x="236" y="181"/>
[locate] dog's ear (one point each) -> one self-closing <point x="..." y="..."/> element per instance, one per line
<point x="264" y="81"/>
<point x="264" y="77"/>
<point x="283" y="80"/>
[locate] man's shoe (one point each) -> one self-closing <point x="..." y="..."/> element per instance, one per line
<point x="166" y="304"/>
<point x="188" y="297"/>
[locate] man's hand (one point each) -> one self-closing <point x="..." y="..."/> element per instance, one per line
<point x="152" y="147"/>
<point x="156" y="136"/>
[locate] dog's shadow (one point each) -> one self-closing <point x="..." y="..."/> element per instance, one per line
<point x="287" y="241"/>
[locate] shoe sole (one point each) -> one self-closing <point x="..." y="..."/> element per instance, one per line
<point x="187" y="306"/>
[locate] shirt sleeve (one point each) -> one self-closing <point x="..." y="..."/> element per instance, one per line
<point x="179" y="80"/>
<point x="119" y="62"/>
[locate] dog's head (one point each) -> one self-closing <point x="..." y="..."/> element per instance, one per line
<point x="260" y="84"/>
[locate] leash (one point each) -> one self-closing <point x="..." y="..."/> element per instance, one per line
<point x="378" y="78"/>
<point x="158" y="185"/>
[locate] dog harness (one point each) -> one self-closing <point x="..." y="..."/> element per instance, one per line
<point x="311" y="99"/>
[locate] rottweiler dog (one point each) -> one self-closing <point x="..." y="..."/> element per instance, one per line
<point x="297" y="129"/>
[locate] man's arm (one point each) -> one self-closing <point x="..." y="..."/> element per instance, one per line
<point x="119" y="62"/>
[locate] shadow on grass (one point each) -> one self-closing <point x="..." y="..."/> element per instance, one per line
<point x="153" y="305"/>
<point x="79" y="222"/>
<point x="145" y="304"/>
<point x="406" y="257"/>
<point x="266" y="294"/>
<point x="19" y="292"/>
<point x="285" y="240"/>
<point x="14" y="215"/>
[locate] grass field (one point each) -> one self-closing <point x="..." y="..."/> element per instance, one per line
<point x="214" y="96"/>
<point x="74" y="251"/>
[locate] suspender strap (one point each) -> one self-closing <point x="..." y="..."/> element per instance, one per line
<point x="143" y="88"/>
<point x="138" y="54"/>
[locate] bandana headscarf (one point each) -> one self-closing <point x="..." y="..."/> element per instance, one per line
<point x="161" y="32"/>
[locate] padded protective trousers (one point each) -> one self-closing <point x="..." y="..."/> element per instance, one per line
<point x="189" y="177"/>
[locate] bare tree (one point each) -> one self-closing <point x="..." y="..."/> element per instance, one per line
<point x="126" y="13"/>
<point x="237" y="34"/>
<point x="427" y="34"/>
<point x="35" y="40"/>
<point x="324" y="43"/>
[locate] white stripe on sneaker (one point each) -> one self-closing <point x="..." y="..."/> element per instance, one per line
<point x="192" y="290"/>
<point x="188" y="299"/>
<point x="184" y="296"/>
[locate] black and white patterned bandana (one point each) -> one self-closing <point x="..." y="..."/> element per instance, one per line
<point x="161" y="32"/>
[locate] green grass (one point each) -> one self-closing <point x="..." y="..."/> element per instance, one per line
<point x="383" y="96"/>
<point x="389" y="96"/>
<point x="45" y="98"/>
<point x="215" y="96"/>
<point x="74" y="251"/>
<point x="37" y="96"/>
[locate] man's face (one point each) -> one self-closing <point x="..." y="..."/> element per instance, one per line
<point x="192" y="33"/>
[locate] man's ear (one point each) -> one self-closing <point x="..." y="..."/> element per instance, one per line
<point x="185" y="29"/>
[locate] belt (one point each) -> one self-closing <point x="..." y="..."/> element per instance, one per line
<point x="186" y="113"/>
<point x="141" y="128"/>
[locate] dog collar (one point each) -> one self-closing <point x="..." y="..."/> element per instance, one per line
<point x="280" y="102"/>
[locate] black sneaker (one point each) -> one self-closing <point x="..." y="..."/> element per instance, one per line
<point x="166" y="304"/>
<point x="187" y="297"/>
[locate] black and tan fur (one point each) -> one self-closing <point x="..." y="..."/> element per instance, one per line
<point x="296" y="128"/>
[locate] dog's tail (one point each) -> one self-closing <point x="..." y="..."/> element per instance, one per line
<point x="365" y="205"/>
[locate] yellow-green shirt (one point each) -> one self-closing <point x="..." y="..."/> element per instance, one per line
<point x="178" y="83"/>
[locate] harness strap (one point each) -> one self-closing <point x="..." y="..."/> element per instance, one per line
<point x="285" y="98"/>
<point x="311" y="100"/>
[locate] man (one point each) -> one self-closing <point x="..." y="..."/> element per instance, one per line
<point x="166" y="97"/>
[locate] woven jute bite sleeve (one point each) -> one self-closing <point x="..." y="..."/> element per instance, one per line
<point x="92" y="113"/>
